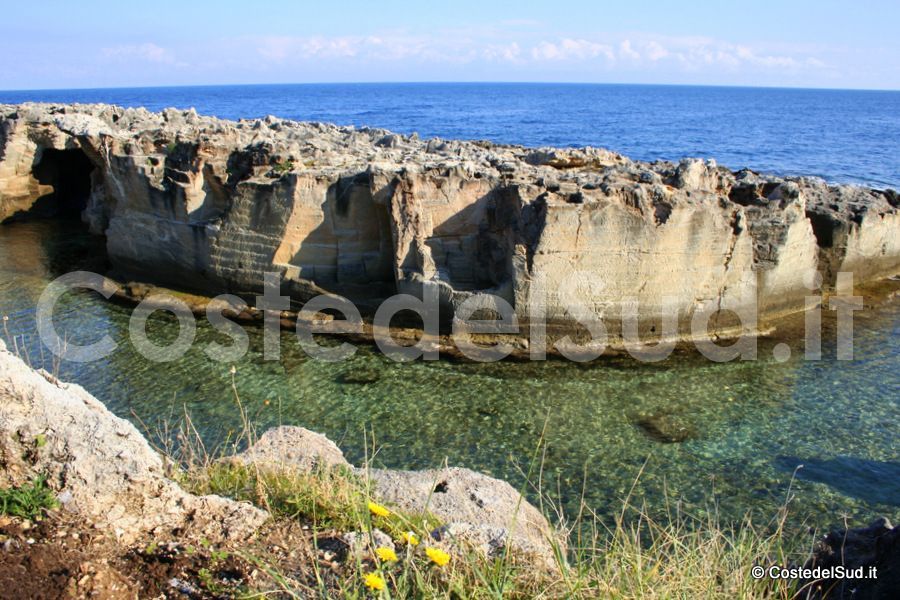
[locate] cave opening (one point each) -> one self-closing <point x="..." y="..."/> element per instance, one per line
<point x="823" y="226"/>
<point x="69" y="174"/>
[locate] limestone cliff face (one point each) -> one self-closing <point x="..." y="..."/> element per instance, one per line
<point x="211" y="205"/>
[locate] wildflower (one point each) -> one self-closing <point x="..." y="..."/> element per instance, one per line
<point x="386" y="554"/>
<point x="233" y="369"/>
<point x="410" y="538"/>
<point x="437" y="556"/>
<point x="374" y="581"/>
<point x="378" y="510"/>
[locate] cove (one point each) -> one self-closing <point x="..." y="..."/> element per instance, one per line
<point x="712" y="435"/>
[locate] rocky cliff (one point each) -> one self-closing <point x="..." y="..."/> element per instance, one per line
<point x="210" y="205"/>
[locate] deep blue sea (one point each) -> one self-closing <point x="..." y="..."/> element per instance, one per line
<point x="841" y="135"/>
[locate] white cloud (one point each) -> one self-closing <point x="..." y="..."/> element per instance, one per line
<point x="610" y="53"/>
<point x="626" y="51"/>
<point x="279" y="48"/>
<point x="571" y="49"/>
<point x="146" y="52"/>
<point x="509" y="52"/>
<point x="654" y="51"/>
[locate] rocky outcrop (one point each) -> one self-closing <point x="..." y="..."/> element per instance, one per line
<point x="100" y="465"/>
<point x="210" y="205"/>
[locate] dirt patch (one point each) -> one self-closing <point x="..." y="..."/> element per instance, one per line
<point x="57" y="558"/>
<point x="183" y="570"/>
<point x="61" y="556"/>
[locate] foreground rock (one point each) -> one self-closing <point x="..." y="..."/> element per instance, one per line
<point x="210" y="205"/>
<point x="100" y="465"/>
<point x="293" y="448"/>
<point x="487" y="513"/>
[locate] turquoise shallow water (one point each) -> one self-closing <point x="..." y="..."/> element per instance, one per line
<point x="747" y="424"/>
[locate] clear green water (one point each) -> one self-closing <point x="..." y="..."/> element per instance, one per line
<point x="750" y="423"/>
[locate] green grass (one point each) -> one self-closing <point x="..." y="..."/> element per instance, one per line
<point x="283" y="167"/>
<point x="29" y="501"/>
<point x="635" y="557"/>
<point x="332" y="498"/>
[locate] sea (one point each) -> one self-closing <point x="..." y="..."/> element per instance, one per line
<point x="844" y="136"/>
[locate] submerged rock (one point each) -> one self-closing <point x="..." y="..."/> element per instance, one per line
<point x="359" y="376"/>
<point x="668" y="428"/>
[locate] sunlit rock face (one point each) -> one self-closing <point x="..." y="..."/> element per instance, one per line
<point x="210" y="205"/>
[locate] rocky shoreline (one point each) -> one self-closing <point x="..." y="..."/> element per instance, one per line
<point x="209" y="206"/>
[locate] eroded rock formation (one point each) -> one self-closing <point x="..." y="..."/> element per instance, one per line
<point x="101" y="466"/>
<point x="210" y="205"/>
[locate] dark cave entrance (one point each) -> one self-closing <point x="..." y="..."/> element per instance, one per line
<point x="69" y="172"/>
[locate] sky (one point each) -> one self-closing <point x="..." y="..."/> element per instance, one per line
<point x="51" y="44"/>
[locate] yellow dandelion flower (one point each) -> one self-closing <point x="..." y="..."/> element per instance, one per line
<point x="410" y="538"/>
<point x="386" y="554"/>
<point x="374" y="581"/>
<point x="378" y="510"/>
<point x="437" y="556"/>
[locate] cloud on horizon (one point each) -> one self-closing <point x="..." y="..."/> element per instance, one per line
<point x="149" y="52"/>
<point x="602" y="55"/>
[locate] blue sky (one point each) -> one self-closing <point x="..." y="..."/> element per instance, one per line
<point x="824" y="43"/>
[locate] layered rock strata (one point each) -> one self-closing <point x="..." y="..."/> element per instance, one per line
<point x="210" y="205"/>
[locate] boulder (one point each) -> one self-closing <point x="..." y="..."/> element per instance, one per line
<point x="295" y="448"/>
<point x="485" y="512"/>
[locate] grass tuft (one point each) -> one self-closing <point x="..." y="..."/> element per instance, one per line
<point x="29" y="501"/>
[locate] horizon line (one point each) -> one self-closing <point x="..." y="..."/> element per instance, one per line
<point x="311" y="83"/>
